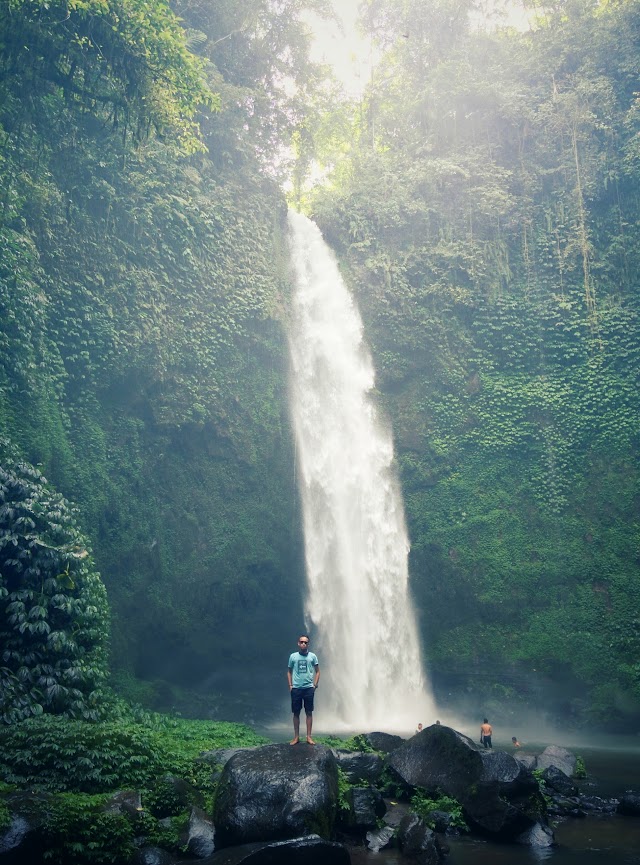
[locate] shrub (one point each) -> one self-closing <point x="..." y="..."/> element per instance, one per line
<point x="54" y="618"/>
<point x="57" y="754"/>
<point x="424" y="805"/>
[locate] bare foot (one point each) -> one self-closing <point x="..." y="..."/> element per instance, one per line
<point x="310" y="741"/>
<point x="294" y="741"/>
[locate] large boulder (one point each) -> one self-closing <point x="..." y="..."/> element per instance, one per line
<point x="22" y="840"/>
<point x="152" y="856"/>
<point x="360" y="767"/>
<point x="219" y="757"/>
<point x="529" y="761"/>
<point x="559" y="782"/>
<point x="629" y="804"/>
<point x="537" y="836"/>
<point x="554" y="755"/>
<point x="416" y="839"/>
<point x="384" y="742"/>
<point x="499" y="795"/>
<point x="276" y="792"/>
<point x="378" y="839"/>
<point x="366" y="807"/>
<point x="200" y="841"/>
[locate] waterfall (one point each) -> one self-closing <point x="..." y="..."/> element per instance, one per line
<point x="357" y="607"/>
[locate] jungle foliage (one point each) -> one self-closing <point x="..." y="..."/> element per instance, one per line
<point x="486" y="217"/>
<point x="54" y="618"/>
<point x="483" y="204"/>
<point x="73" y="768"/>
<point x="142" y="288"/>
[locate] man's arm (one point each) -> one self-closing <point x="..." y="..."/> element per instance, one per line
<point x="289" y="678"/>
<point x="316" y="678"/>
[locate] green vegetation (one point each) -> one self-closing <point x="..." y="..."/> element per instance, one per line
<point x="59" y="755"/>
<point x="424" y="805"/>
<point x="581" y="769"/>
<point x="53" y="607"/>
<point x="353" y="743"/>
<point x="482" y="198"/>
<point x="80" y="830"/>
<point x="79" y="765"/>
<point x="343" y="791"/>
<point x="142" y="287"/>
<point x="485" y="219"/>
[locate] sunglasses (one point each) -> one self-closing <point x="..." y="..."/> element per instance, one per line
<point x="304" y="642"/>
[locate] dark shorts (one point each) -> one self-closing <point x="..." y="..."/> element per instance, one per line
<point x="300" y="696"/>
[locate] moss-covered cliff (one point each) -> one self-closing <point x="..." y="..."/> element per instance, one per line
<point x="487" y="223"/>
<point x="143" y="367"/>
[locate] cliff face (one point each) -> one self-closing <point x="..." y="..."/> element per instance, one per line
<point x="143" y="365"/>
<point x="477" y="223"/>
<point x="486" y="223"/>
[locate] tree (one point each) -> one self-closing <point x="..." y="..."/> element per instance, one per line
<point x="54" y="618"/>
<point x="125" y="61"/>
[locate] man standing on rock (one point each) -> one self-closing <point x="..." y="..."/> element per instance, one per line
<point x="485" y="733"/>
<point x="303" y="675"/>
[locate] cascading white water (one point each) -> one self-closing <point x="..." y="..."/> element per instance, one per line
<point x="356" y="545"/>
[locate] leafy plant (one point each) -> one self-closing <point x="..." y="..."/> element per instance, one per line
<point x="79" y="830"/>
<point x="424" y="805"/>
<point x="61" y="755"/>
<point x="54" y="619"/>
<point x="343" y="791"/>
<point x="581" y="769"/>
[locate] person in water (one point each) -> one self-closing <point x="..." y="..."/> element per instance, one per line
<point x="486" y="733"/>
<point x="419" y="730"/>
<point x="303" y="675"/>
<point x="515" y="742"/>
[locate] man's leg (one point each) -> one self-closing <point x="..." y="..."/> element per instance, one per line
<point x="296" y="729"/>
<point x="309" y="726"/>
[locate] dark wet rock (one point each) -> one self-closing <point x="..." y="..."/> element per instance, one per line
<point x="384" y="742"/>
<point x="443" y="822"/>
<point x="537" y="836"/>
<point x="21" y="842"/>
<point x="378" y="839"/>
<point x="366" y="806"/>
<point x="219" y="758"/>
<point x="308" y="850"/>
<point x="563" y="807"/>
<point x="15" y="837"/>
<point x="529" y="761"/>
<point x="629" y="804"/>
<point x="415" y="837"/>
<point x="599" y="805"/>
<point x="276" y="792"/>
<point x="200" y="835"/>
<point x="559" y="757"/>
<point x="128" y="802"/>
<point x="558" y="781"/>
<point x="152" y="856"/>
<point x="502" y="769"/>
<point x="360" y="767"/>
<point x="395" y="812"/>
<point x="498" y="794"/>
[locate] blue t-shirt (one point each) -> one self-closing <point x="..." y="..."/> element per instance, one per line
<point x="302" y="669"/>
